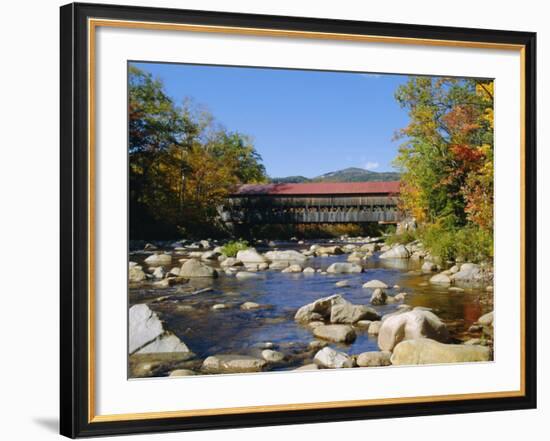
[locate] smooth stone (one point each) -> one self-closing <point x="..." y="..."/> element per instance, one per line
<point x="287" y="256"/>
<point x="373" y="359"/>
<point x="245" y="275"/>
<point x="249" y="305"/>
<point x="375" y="284"/>
<point x="307" y="367"/>
<point x="456" y="289"/>
<point x="440" y="279"/>
<point x="135" y="273"/>
<point x="219" y="306"/>
<point x="165" y="343"/>
<point x="194" y="268"/>
<point x="411" y="325"/>
<point x="429" y="267"/>
<point x="396" y="252"/>
<point x="315" y="345"/>
<point x="182" y="373"/>
<point x="272" y="356"/>
<point x="309" y="270"/>
<point x="330" y="358"/>
<point x="158" y="273"/>
<point x="322" y="307"/>
<point x="486" y="319"/>
<point x="341" y="284"/>
<point x="374" y="327"/>
<point x="250" y="255"/>
<point x="379" y="297"/>
<point x="335" y="333"/>
<point x="231" y="262"/>
<point x="280" y="265"/>
<point x="230" y="363"/>
<point x="159" y="259"/>
<point x="344" y="268"/>
<point x="349" y="313"/>
<point x="294" y="268"/>
<point x="364" y="324"/>
<point x="427" y="351"/>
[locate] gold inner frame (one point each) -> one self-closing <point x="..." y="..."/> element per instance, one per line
<point x="92" y="25"/>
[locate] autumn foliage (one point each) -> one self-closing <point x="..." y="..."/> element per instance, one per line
<point x="446" y="161"/>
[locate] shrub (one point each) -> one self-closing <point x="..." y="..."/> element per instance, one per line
<point x="403" y="238"/>
<point x="230" y="249"/>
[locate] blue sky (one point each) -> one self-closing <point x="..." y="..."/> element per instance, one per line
<point x="302" y="122"/>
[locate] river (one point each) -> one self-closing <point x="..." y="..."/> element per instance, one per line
<point x="233" y="330"/>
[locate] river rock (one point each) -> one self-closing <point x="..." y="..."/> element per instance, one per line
<point x="158" y="273"/>
<point x="440" y="279"/>
<point x="135" y="273"/>
<point x="396" y="252"/>
<point x="486" y="319"/>
<point x="165" y="343"/>
<point x="279" y="265"/>
<point x="231" y="262"/>
<point x="249" y="305"/>
<point x="375" y="284"/>
<point x="427" y="351"/>
<point x="327" y="251"/>
<point x="379" y="297"/>
<point x="330" y="358"/>
<point x="400" y="297"/>
<point x="210" y="255"/>
<point x="158" y="259"/>
<point x="469" y="272"/>
<point x="246" y="275"/>
<point x="309" y="270"/>
<point x="341" y="284"/>
<point x="355" y="257"/>
<point x="182" y="373"/>
<point x="219" y="306"/>
<point x="344" y="268"/>
<point x="144" y="326"/>
<point x="429" y="267"/>
<point x="193" y="268"/>
<point x="373" y="359"/>
<point x="250" y="255"/>
<point x="335" y="333"/>
<point x="349" y="313"/>
<point x="294" y="268"/>
<point x="286" y="256"/>
<point x="321" y="307"/>
<point x="411" y="325"/>
<point x="230" y="363"/>
<point x="374" y="327"/>
<point x="308" y="367"/>
<point x="272" y="356"/>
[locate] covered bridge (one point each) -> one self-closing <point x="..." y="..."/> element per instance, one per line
<point x="308" y="203"/>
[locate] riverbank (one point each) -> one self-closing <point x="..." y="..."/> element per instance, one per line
<point x="243" y="311"/>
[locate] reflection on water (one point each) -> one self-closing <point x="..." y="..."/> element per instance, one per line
<point x="233" y="330"/>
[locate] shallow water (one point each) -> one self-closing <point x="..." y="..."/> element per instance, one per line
<point x="233" y="330"/>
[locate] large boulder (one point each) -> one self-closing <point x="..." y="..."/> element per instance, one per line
<point x="330" y="358"/>
<point x="250" y="255"/>
<point x="143" y="327"/>
<point x="230" y="363"/>
<point x="159" y="259"/>
<point x="344" y="268"/>
<point x="373" y="359"/>
<point x="429" y="267"/>
<point x="294" y="268"/>
<point x="414" y="324"/>
<point x="285" y="256"/>
<point x="146" y="334"/>
<point x="396" y="252"/>
<point x="193" y="268"/>
<point x="321" y="307"/>
<point x="349" y="313"/>
<point x="335" y="333"/>
<point x="427" y="351"/>
<point x="231" y="262"/>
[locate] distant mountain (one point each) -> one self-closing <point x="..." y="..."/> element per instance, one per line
<point x="351" y="174"/>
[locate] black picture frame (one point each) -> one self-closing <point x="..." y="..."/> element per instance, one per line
<point x="74" y="272"/>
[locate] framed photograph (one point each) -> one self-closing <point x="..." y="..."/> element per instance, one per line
<point x="276" y="220"/>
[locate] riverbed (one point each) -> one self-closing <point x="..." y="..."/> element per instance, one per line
<point x="231" y="330"/>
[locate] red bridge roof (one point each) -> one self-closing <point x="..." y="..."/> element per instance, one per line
<point x="320" y="188"/>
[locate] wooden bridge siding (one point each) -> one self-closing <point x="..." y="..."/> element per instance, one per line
<point x="308" y="210"/>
